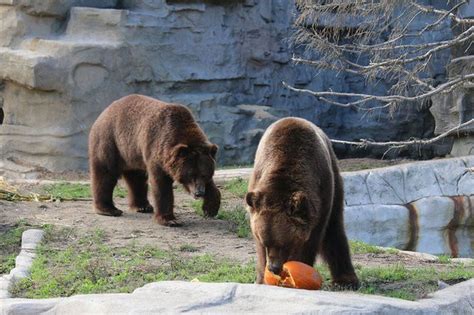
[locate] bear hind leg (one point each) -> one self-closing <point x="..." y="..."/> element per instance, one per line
<point x="137" y="191"/>
<point x="335" y="250"/>
<point x="103" y="184"/>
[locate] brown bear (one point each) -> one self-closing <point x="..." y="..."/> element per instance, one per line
<point x="144" y="139"/>
<point x="295" y="200"/>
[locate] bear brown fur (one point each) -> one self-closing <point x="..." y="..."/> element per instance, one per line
<point x="144" y="139"/>
<point x="295" y="201"/>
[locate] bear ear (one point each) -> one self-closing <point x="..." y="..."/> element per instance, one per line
<point x="299" y="205"/>
<point x="181" y="150"/>
<point x="213" y="150"/>
<point x="252" y="198"/>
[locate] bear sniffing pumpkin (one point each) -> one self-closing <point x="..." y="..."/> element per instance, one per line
<point x="143" y="139"/>
<point x="295" y="201"/>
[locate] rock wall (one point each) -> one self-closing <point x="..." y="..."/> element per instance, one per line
<point x="426" y="206"/>
<point x="63" y="61"/>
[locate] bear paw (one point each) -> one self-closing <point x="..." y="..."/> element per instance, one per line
<point x="346" y="282"/>
<point x="210" y="207"/>
<point x="113" y="212"/>
<point x="145" y="209"/>
<point x="212" y="201"/>
<point x="168" y="220"/>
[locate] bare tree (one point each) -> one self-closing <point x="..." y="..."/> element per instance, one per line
<point x="377" y="40"/>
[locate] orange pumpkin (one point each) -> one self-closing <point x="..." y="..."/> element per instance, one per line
<point x="295" y="274"/>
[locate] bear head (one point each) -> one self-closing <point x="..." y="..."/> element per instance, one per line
<point x="193" y="166"/>
<point x="282" y="223"/>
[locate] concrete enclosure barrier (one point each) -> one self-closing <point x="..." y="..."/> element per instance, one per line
<point x="424" y="206"/>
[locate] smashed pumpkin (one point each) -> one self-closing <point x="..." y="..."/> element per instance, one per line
<point x="296" y="275"/>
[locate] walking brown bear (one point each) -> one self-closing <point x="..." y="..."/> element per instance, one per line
<point x="141" y="138"/>
<point x="295" y="201"/>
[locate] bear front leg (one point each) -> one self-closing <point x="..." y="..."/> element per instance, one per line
<point x="137" y="191"/>
<point x="335" y="247"/>
<point x="212" y="200"/>
<point x="162" y="191"/>
<point x="103" y="184"/>
<point x="261" y="262"/>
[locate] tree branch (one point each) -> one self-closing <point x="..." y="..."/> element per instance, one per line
<point x="445" y="13"/>
<point x="445" y="87"/>
<point x="401" y="144"/>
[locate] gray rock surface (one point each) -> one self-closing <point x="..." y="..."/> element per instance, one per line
<point x="63" y="61"/>
<point x="229" y="298"/>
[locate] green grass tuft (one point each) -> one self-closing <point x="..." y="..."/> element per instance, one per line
<point x="238" y="217"/>
<point x="76" y="191"/>
<point x="358" y="247"/>
<point x="237" y="187"/>
<point x="444" y="259"/>
<point x="197" y="206"/>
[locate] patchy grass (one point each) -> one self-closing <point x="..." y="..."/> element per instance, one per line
<point x="76" y="191"/>
<point x="188" y="248"/>
<point x="70" y="264"/>
<point x="409" y="284"/>
<point x="237" y="186"/>
<point x="67" y="264"/>
<point x="358" y="247"/>
<point x="401" y="282"/>
<point x="237" y="216"/>
<point x="444" y="259"/>
<point x="197" y="206"/>
<point x="10" y="244"/>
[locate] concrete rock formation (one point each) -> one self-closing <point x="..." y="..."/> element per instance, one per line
<point x="425" y="206"/>
<point x="175" y="297"/>
<point x="63" y="61"/>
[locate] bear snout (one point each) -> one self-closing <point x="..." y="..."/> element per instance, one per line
<point x="275" y="267"/>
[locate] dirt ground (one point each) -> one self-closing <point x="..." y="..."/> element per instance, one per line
<point x="212" y="236"/>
